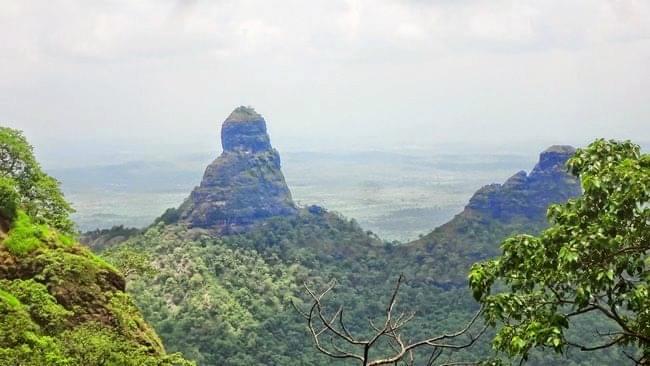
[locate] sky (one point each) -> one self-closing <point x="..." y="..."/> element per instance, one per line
<point x="124" y="79"/>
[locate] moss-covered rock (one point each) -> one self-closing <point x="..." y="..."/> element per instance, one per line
<point x="60" y="304"/>
<point x="52" y="290"/>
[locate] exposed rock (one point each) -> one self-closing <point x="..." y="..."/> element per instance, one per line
<point x="494" y="213"/>
<point x="245" y="130"/>
<point x="529" y="195"/>
<point x="242" y="186"/>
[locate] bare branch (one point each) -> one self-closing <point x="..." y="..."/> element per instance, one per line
<point x="334" y="327"/>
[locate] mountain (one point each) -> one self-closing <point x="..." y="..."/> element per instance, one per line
<point x="244" y="185"/>
<point x="100" y="239"/>
<point x="496" y="212"/>
<point x="529" y="195"/>
<point x="224" y="276"/>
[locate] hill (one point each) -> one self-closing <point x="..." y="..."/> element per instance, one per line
<point x="222" y="296"/>
<point x="494" y="213"/>
<point x="244" y="185"/>
<point x="59" y="303"/>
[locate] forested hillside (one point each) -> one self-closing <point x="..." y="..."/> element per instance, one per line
<point x="421" y="183"/>
<point x="494" y="213"/>
<point x="224" y="298"/>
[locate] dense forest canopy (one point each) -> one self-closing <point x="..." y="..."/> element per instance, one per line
<point x="212" y="296"/>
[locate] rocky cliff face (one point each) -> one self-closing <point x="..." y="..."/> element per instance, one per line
<point x="494" y="213"/>
<point x="529" y="195"/>
<point x="245" y="184"/>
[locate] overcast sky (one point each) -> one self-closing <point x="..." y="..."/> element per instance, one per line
<point x="146" y="77"/>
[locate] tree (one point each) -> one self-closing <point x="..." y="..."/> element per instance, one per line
<point x="8" y="199"/>
<point x="344" y="345"/>
<point x="131" y="262"/>
<point x="96" y="344"/>
<point x="591" y="262"/>
<point x="39" y="194"/>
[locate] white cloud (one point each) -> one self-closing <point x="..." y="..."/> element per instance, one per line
<point x="401" y="71"/>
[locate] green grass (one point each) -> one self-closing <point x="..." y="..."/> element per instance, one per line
<point x="25" y="236"/>
<point x="66" y="240"/>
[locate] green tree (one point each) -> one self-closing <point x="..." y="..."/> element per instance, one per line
<point x="132" y="263"/>
<point x="591" y="262"/>
<point x="94" y="344"/>
<point x="40" y="194"/>
<point x="8" y="199"/>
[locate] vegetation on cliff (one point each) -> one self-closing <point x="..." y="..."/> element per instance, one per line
<point x="59" y="303"/>
<point x="35" y="192"/>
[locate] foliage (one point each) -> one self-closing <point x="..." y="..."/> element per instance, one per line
<point x="39" y="194"/>
<point x="20" y="341"/>
<point x="170" y="216"/>
<point x="206" y="299"/>
<point x="131" y="262"/>
<point x="592" y="262"/>
<point x="59" y="303"/>
<point x="25" y="236"/>
<point x="95" y="344"/>
<point x="50" y="298"/>
<point x="226" y="300"/>
<point x="39" y="303"/>
<point x="8" y="198"/>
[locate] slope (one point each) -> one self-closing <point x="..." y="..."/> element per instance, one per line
<point x="223" y="285"/>
<point x="59" y="303"/>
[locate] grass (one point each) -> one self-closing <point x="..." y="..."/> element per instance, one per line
<point x="25" y="236"/>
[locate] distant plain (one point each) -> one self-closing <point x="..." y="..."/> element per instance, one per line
<point x="396" y="195"/>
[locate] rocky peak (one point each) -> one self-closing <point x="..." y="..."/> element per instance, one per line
<point x="529" y="195"/>
<point x="244" y="185"/>
<point x="245" y="130"/>
<point x="554" y="159"/>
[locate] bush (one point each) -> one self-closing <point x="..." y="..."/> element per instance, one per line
<point x="25" y="236"/>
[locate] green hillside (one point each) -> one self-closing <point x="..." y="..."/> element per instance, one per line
<point x="59" y="303"/>
<point x="225" y="298"/>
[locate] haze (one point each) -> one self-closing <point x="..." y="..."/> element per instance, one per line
<point x="129" y="79"/>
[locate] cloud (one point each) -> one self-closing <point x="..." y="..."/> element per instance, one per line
<point x="384" y="72"/>
<point x="163" y="28"/>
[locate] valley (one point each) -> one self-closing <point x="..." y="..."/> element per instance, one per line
<point x="221" y="275"/>
<point x="324" y="183"/>
<point x="398" y="195"/>
<point x="230" y="260"/>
